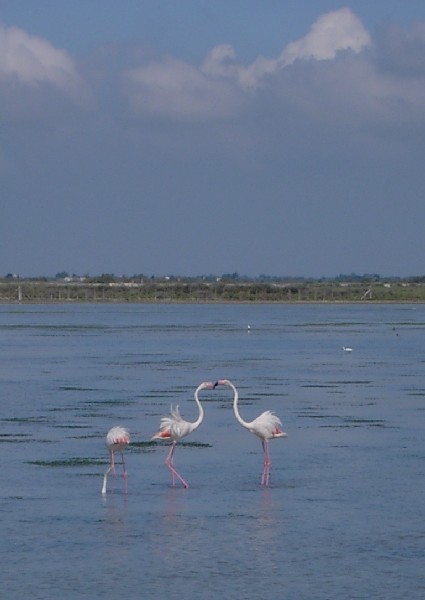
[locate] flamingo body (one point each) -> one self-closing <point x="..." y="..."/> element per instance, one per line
<point x="266" y="426"/>
<point x="117" y="439"/>
<point x="174" y="428"/>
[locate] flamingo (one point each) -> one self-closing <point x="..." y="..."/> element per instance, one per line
<point x="266" y="426"/>
<point x="347" y="349"/>
<point x="175" y="428"/>
<point x="117" y="439"/>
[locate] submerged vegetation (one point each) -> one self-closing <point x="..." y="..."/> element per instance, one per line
<point x="226" y="288"/>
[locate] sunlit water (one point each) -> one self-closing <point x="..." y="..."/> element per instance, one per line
<point x="344" y="516"/>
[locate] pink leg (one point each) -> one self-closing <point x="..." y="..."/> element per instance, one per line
<point x="169" y="464"/>
<point x="114" y="470"/>
<point x="266" y="468"/>
<point x="169" y="461"/>
<point x="124" y="473"/>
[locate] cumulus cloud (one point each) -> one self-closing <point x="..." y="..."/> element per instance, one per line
<point x="221" y="62"/>
<point x="30" y="60"/>
<point x="174" y="88"/>
<point x="331" y="33"/>
<point x="215" y="88"/>
<point x="335" y="71"/>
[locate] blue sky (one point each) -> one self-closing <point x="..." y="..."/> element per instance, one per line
<point x="197" y="137"/>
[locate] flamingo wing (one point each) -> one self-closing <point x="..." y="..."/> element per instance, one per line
<point x="173" y="427"/>
<point x="164" y="429"/>
<point x="267" y="426"/>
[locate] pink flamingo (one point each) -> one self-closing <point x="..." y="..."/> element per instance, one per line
<point x="266" y="426"/>
<point x="175" y="428"/>
<point x="117" y="439"/>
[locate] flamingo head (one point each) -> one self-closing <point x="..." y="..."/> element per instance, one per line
<point x="222" y="382"/>
<point x="207" y="385"/>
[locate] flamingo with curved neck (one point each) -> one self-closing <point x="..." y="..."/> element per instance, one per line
<point x="174" y="428"/>
<point x="117" y="439"/>
<point x="266" y="426"/>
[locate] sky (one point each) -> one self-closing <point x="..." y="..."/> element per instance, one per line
<point x="199" y="137"/>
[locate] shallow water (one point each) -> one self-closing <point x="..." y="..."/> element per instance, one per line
<point x="344" y="516"/>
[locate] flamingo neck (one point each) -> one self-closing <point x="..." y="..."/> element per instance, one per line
<point x="235" y="405"/>
<point x="200" y="409"/>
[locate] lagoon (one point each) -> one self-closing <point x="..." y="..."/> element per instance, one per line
<point x="344" y="516"/>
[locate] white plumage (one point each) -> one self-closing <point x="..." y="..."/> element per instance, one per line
<point x="174" y="428"/>
<point x="266" y="426"/>
<point x="117" y="439"/>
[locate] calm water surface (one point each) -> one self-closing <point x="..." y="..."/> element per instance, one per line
<point x="344" y="517"/>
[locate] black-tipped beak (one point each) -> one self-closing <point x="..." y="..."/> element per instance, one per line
<point x="215" y="385"/>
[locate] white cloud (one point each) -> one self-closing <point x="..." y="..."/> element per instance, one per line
<point x="174" y="88"/>
<point x="221" y="62"/>
<point x="334" y="71"/>
<point x="30" y="60"/>
<point x="331" y="33"/>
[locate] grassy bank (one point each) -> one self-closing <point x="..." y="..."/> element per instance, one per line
<point x="40" y="291"/>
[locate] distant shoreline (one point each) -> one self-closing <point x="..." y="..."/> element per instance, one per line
<point x="213" y="302"/>
<point x="210" y="292"/>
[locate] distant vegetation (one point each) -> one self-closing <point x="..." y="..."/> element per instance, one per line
<point x="225" y="288"/>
